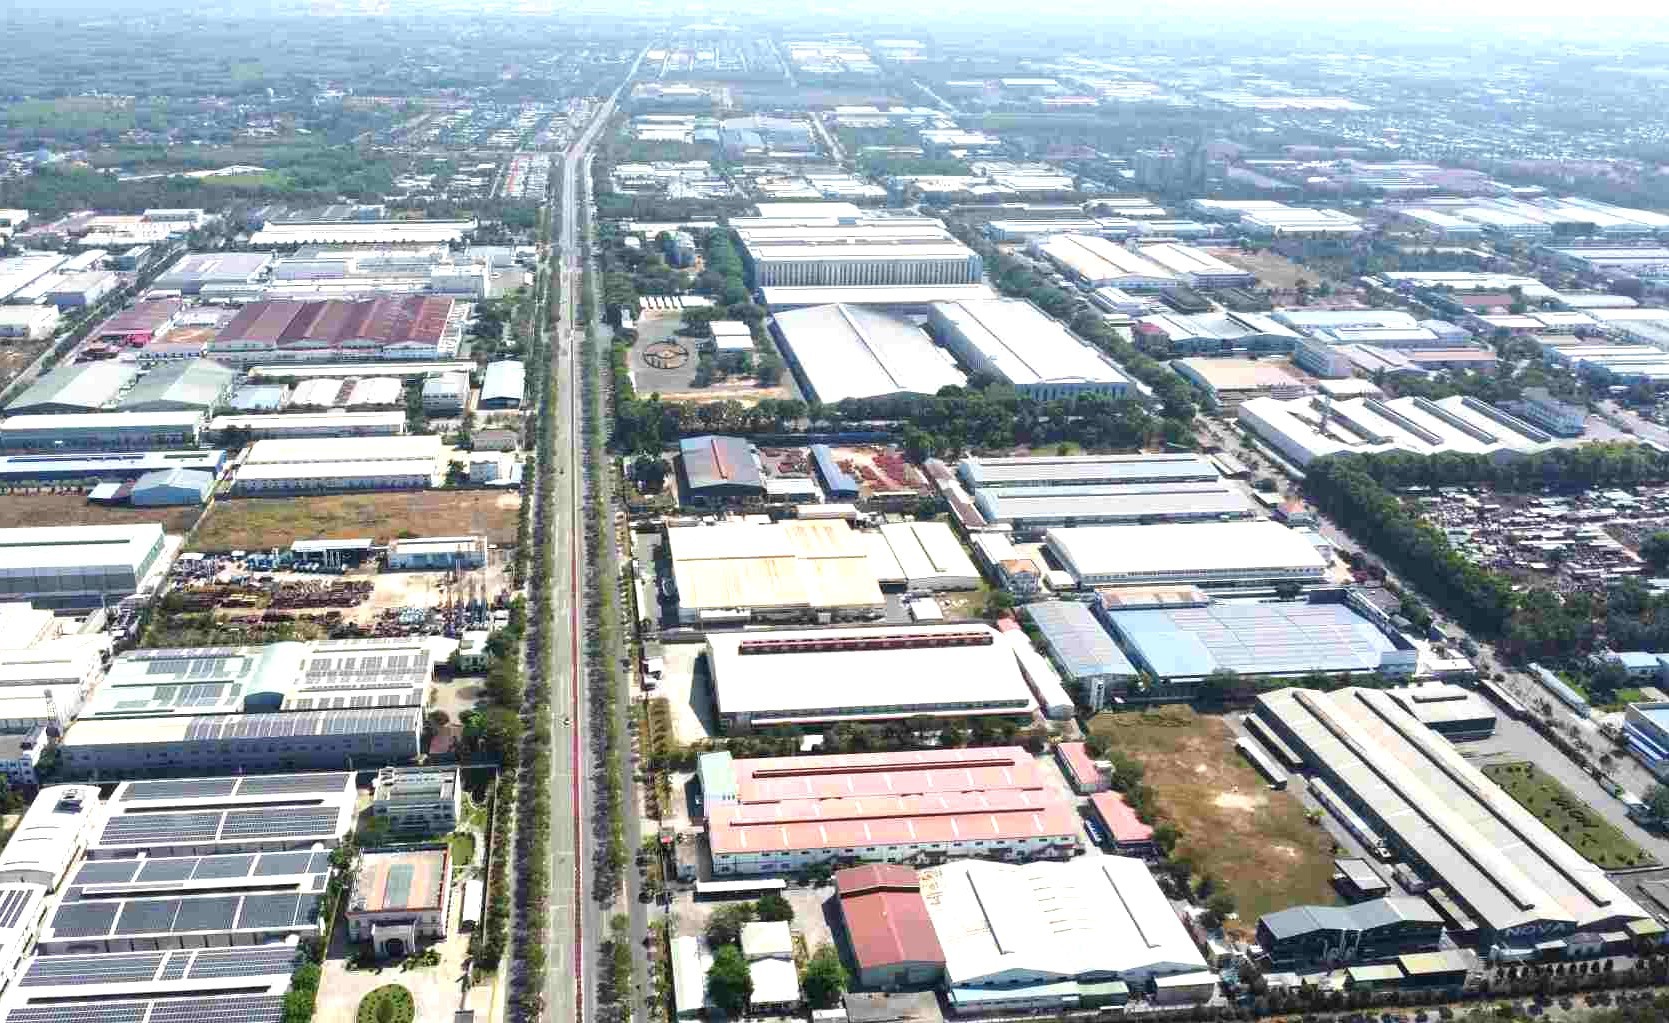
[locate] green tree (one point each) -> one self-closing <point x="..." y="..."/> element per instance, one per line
<point x="825" y="978"/>
<point x="724" y="927"/>
<point x="1655" y="551"/>
<point x="773" y="907"/>
<point x="728" y="983"/>
<point x="1657" y="801"/>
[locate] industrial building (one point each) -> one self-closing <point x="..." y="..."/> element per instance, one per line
<point x="382" y="232"/>
<point x="167" y="488"/>
<point x="400" y="897"/>
<point x="418" y="800"/>
<point x="773" y="978"/>
<point x="1447" y="709"/>
<point x="388" y="327"/>
<point x="1309" y="428"/>
<point x="872" y="250"/>
<point x="28" y="322"/>
<point x="1215" y="554"/>
<point x="1016" y="342"/>
<point x="1519" y="882"/>
<point x="101" y="431"/>
<point x="337" y="464"/>
<point x="1218" y="333"/>
<point x="1195" y="266"/>
<point x="1053" y="700"/>
<point x="1126" y="832"/>
<point x="1100" y="263"/>
<point x="792" y="813"/>
<point x="891" y="937"/>
<point x="372" y="392"/>
<point x="190" y="385"/>
<point x="65" y="567"/>
<point x="74" y="387"/>
<point x="191" y="272"/>
<point x="82" y="290"/>
<point x="24" y="469"/>
<point x="51" y="835"/>
<point x="305" y="740"/>
<point x="1093" y="666"/>
<point x="1646" y="730"/>
<point x="446" y="393"/>
<point x="1084" y="470"/>
<point x="1229" y="383"/>
<point x="717" y="471"/>
<point x="1380" y="328"/>
<point x="842" y="351"/>
<point x="929" y="556"/>
<point x="295" y="427"/>
<point x="437" y="553"/>
<point x="1288" y="639"/>
<point x="905" y="300"/>
<point x="1027" y="936"/>
<point x="826" y="676"/>
<point x="1332" y="936"/>
<point x="1269" y="218"/>
<point x="503" y="386"/>
<point x="794" y="570"/>
<point x="1030" y="511"/>
<point x="216" y="815"/>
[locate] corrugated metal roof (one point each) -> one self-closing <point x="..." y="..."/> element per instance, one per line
<point x="1078" y="642"/>
<point x="192" y="384"/>
<point x="84" y="387"/>
<point x="713" y="461"/>
<point x="504" y="381"/>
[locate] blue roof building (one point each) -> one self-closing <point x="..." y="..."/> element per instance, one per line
<point x="503" y="386"/>
<point x="171" y="487"/>
<point x="839" y="484"/>
<point x="1084" y="652"/>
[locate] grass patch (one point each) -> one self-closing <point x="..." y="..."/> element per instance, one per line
<point x="254" y="179"/>
<point x="71" y="509"/>
<point x="390" y="1003"/>
<point x="261" y="523"/>
<point x="1581" y="826"/>
<point x="1256" y="841"/>
<point x="463" y="848"/>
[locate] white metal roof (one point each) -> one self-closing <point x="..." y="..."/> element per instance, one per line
<point x="929" y="553"/>
<point x="344" y="449"/>
<point x="36" y="548"/>
<point x="1026" y="345"/>
<point x="1182" y="549"/>
<point x="854" y="352"/>
<point x="1054" y="921"/>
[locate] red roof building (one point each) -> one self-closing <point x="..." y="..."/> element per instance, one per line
<point x="891" y="935"/>
<point x="1080" y="768"/>
<point x="141" y="324"/>
<point x="397" y="326"/>
<point x="1124" y="829"/>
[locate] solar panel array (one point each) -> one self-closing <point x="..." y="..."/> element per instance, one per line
<point x="289" y="784"/>
<point x="205" y="826"/>
<point x="176" y="869"/>
<point x="184" y="788"/>
<point x="331" y="668"/>
<point x="232" y="1008"/>
<point x="303" y="723"/>
<point x="184" y="914"/>
<point x="116" y="968"/>
<point x="161" y="828"/>
<point x="362" y="701"/>
<point x="12" y="903"/>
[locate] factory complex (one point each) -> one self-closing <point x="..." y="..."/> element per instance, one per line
<point x="1016" y="342"/>
<point x="1303" y="429"/>
<point x="851" y="351"/>
<point x="811" y="249"/>
<point x="1212" y="554"/>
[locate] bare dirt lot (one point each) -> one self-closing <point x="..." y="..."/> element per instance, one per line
<point x="16" y="356"/>
<point x="1258" y="842"/>
<point x="261" y="523"/>
<point x="73" y="509"/>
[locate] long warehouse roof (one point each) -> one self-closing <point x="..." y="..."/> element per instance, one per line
<point x="1178" y="550"/>
<point x="809" y="563"/>
<point x="1025" y="345"/>
<point x="854" y="352"/>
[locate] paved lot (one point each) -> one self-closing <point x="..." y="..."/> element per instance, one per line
<point x="652" y="327"/>
<point x="435" y="990"/>
<point x="686" y="685"/>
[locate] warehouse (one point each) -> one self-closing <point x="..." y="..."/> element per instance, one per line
<point x="76" y="387"/>
<point x="1288" y="639"/>
<point x="55" y="829"/>
<point x="375" y="392"/>
<point x="291" y="372"/>
<point x="82" y="290"/>
<point x="314" y="740"/>
<point x="22" y="469"/>
<point x="930" y="556"/>
<point x="1030" y="933"/>
<point x="1033" y="510"/>
<point x="880" y="673"/>
<point x="191" y="385"/>
<point x="1310" y="428"/>
<point x="101" y="431"/>
<point x="1447" y="709"/>
<point x="78" y="566"/>
<point x="337" y="464"/>
<point x="171" y="487"/>
<point x="717" y="471"/>
<point x="18" y="272"/>
<point x="1017" y="343"/>
<point x="1093" y="666"/>
<point x="28" y="322"/>
<point x="887" y="927"/>
<point x="903" y="300"/>
<point x="1517" y="880"/>
<point x="1309" y="936"/>
<point x="1217" y="554"/>
<point x="503" y="386"/>
<point x="795" y="570"/>
<point x="446" y="393"/>
<point x="1100" y="263"/>
<point x="384" y="232"/>
<point x="387" y="327"/>
<point x="1229" y="382"/>
<point x="335" y="424"/>
<point x="319" y="393"/>
<point x="437" y="553"/>
<point x="1218" y="333"/>
<point x="882" y="250"/>
<point x="191" y="272"/>
<point x="847" y="351"/>
<point x="1195" y="266"/>
<point x="1053" y="700"/>
<point x="793" y="813"/>
<point x="1084" y="470"/>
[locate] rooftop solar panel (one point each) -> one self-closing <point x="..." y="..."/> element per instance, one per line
<point x="81" y="1012"/>
<point x="290" y="783"/>
<point x="176" y="965"/>
<point x="216" y="867"/>
<point x="107" y="871"/>
<point x="185" y="788"/>
<point x="161" y="828"/>
<point x="275" y="864"/>
<point x="84" y="919"/>
<point x="261" y="960"/>
<point x="263" y="911"/>
<point x="12" y="902"/>
<point x="245" y="824"/>
<point x="120" y="968"/>
<point x="248" y="1009"/>
<point x="307" y="907"/>
<point x="167" y="869"/>
<point x="210" y="914"/>
<point x="147" y="916"/>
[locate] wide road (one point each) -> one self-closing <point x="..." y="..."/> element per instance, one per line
<point x="577" y="924"/>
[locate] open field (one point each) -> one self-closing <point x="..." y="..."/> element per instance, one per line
<point x="18" y="355"/>
<point x="262" y="523"/>
<point x="1258" y="842"/>
<point x="1582" y="828"/>
<point x="73" y="509"/>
